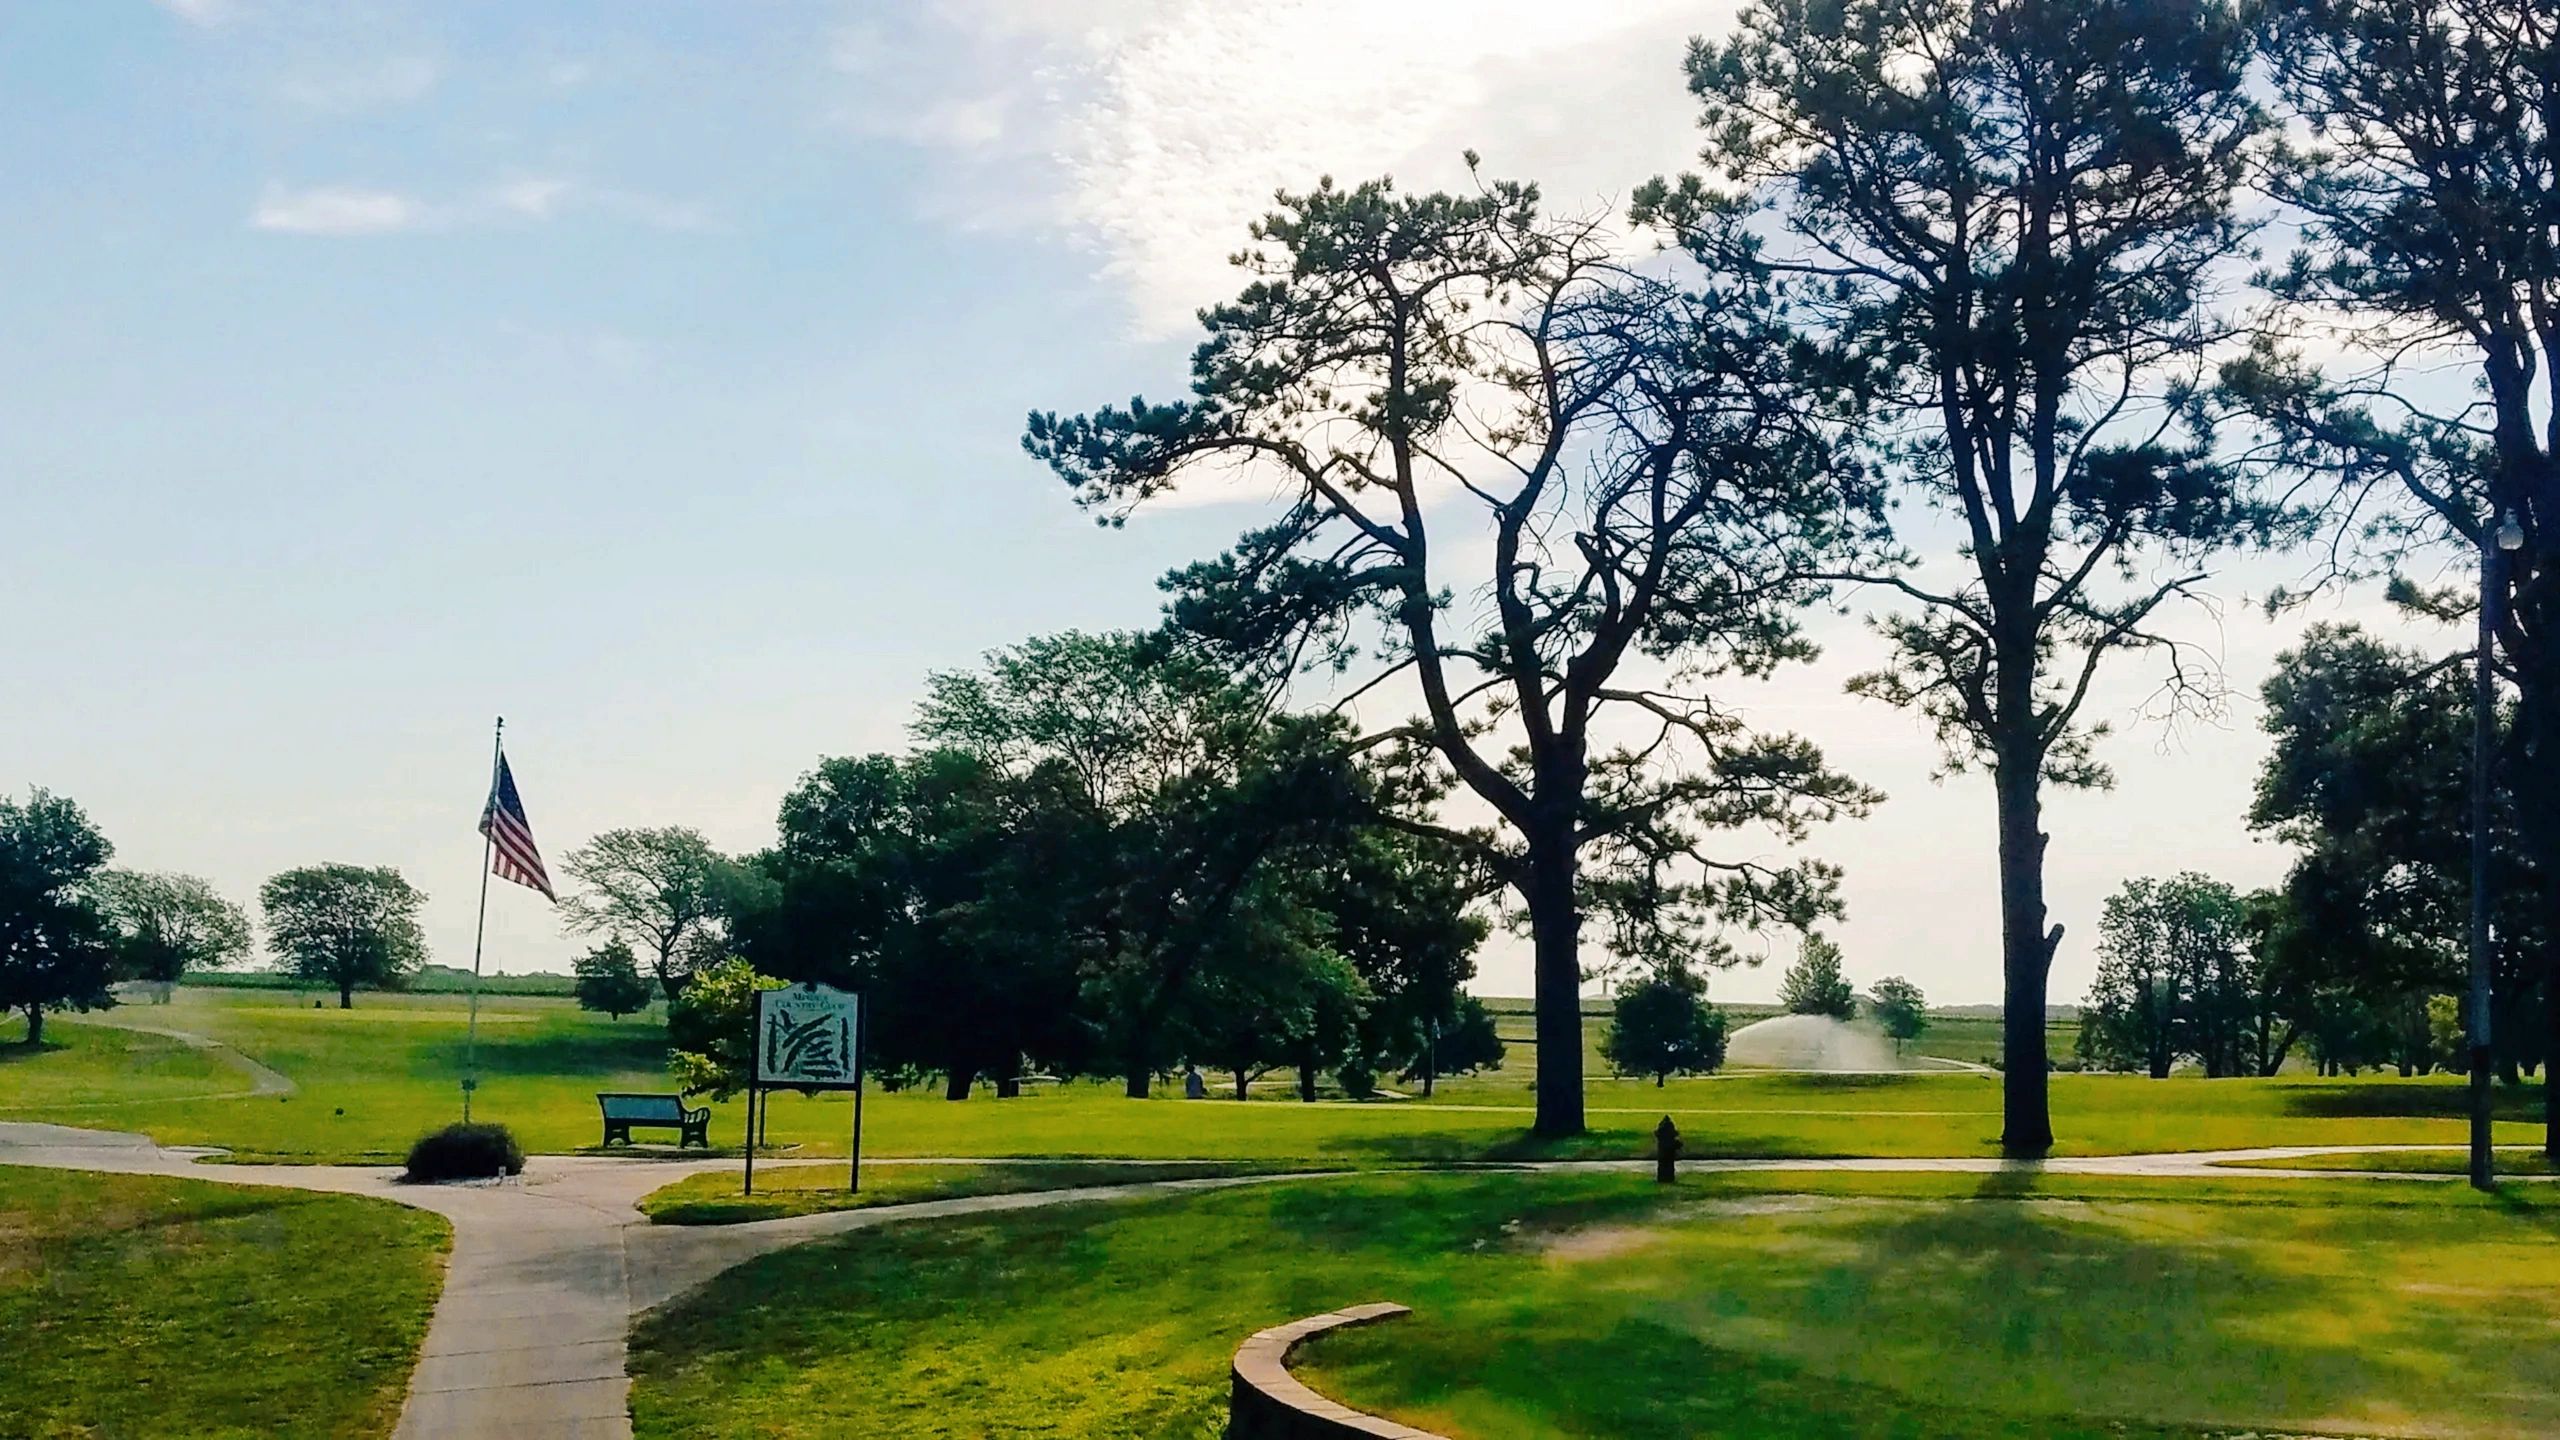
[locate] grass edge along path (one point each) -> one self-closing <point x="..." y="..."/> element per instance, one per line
<point x="713" y="1197"/>
<point x="146" y="1306"/>
<point x="2301" y="1305"/>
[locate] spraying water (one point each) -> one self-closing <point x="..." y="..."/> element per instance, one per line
<point x="1810" y="1042"/>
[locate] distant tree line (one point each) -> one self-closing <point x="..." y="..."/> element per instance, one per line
<point x="2353" y="962"/>
<point x="1104" y="857"/>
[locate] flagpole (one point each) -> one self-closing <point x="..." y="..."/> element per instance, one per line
<point x="488" y="845"/>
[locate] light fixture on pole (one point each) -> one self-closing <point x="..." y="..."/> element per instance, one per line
<point x="2507" y="539"/>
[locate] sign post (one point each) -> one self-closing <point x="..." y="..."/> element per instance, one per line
<point x="807" y="1037"/>
<point x="853" y="1178"/>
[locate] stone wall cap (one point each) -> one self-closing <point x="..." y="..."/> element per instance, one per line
<point x="1261" y="1363"/>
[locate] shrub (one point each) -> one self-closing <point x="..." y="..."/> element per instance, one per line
<point x="1358" y="1080"/>
<point x="465" y="1152"/>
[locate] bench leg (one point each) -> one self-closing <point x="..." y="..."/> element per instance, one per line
<point x="612" y="1131"/>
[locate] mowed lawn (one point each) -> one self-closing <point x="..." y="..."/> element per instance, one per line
<point x="1969" y="1039"/>
<point x="79" y="1068"/>
<point x="718" y="1198"/>
<point x="135" y="1306"/>
<point x="374" y="1078"/>
<point x="1602" y="1305"/>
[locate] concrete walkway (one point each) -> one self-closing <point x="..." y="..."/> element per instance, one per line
<point x="547" y="1271"/>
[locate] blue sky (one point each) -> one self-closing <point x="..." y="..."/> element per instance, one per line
<point x="652" y="373"/>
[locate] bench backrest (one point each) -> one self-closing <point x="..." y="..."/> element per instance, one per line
<point x="666" y="1109"/>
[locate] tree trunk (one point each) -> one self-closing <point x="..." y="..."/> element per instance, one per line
<point x="1555" y="922"/>
<point x="2026" y="961"/>
<point x="1307" y="1084"/>
<point x="346" y="996"/>
<point x="956" y="1085"/>
<point x="1141" y="1070"/>
<point x="1660" y="1077"/>
<point x="2551" y="1052"/>
<point x="1240" y="1084"/>
<point x="35" y="1025"/>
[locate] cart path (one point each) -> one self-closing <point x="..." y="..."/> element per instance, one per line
<point x="529" y="1333"/>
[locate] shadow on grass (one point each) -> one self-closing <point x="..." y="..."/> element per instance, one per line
<point x="1501" y="1147"/>
<point x="1864" y="1319"/>
<point x="597" y="1054"/>
<point x="2395" y="1098"/>
<point x="1909" y="1320"/>
<point x="13" y="1051"/>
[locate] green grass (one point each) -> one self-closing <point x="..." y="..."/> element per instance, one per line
<point x="376" y="1077"/>
<point x="138" y="1306"/>
<point x="102" y="1074"/>
<point x="1744" y="1307"/>
<point x="1973" y="1039"/>
<point x="715" y="1199"/>
<point x="2407" y="1162"/>
<point x="435" y="980"/>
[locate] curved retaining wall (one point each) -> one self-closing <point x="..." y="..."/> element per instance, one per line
<point x="1266" y="1403"/>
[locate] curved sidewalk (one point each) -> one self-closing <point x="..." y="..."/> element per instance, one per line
<point x="528" y="1335"/>
<point x="547" y="1271"/>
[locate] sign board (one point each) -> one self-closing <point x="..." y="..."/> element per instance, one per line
<point x="805" y="1038"/>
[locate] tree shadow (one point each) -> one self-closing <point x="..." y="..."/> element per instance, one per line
<point x="2000" y="1316"/>
<point x="2394" y="1098"/>
<point x="600" y="1055"/>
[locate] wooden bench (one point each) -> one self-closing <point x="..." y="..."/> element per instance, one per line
<point x="621" y="1112"/>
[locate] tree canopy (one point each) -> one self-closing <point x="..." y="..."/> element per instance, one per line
<point x="1640" y="464"/>
<point x="1663" y="1026"/>
<point x="1814" y="985"/>
<point x="2179" y="977"/>
<point x="164" y="926"/>
<point x="660" y="891"/>
<point x="1901" y="1011"/>
<point x="345" y="926"/>
<point x="54" y="946"/>
<point x="2009" y="211"/>
<point x="609" y="980"/>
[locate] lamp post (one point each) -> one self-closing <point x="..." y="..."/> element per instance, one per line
<point x="2509" y="538"/>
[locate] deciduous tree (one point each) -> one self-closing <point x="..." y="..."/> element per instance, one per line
<point x="163" y="926"/>
<point x="711" y="1028"/>
<point x="345" y="926"/>
<point x="660" y="891"/>
<point x="609" y="980"/>
<point x="1663" y="1026"/>
<point x="1900" y="1009"/>
<point x="54" y="951"/>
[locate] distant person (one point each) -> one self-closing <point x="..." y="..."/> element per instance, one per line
<point x="1194" y="1087"/>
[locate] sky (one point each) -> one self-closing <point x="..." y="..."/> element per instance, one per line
<point x="652" y="374"/>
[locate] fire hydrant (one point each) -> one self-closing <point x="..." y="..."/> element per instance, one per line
<point x="1666" y="1150"/>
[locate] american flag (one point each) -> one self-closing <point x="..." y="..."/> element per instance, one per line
<point x="511" y="837"/>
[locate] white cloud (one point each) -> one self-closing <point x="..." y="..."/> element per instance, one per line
<point x="535" y="199"/>
<point x="1155" y="132"/>
<point x="370" y="85"/>
<point x="337" y="210"/>
<point x="200" y="12"/>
